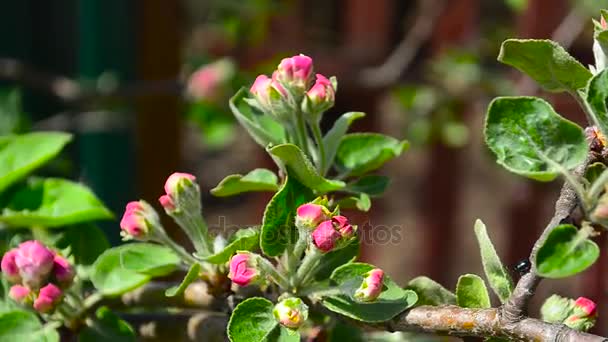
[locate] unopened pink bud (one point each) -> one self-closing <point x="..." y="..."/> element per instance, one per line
<point x="176" y="181"/>
<point x="242" y="269"/>
<point x="207" y="82"/>
<point x="35" y="262"/>
<point x="325" y="236"/>
<point x="321" y="96"/>
<point x="63" y="272"/>
<point x="586" y="305"/>
<point x="371" y="287"/>
<point x="271" y="97"/>
<point x="166" y="202"/>
<point x="310" y="215"/>
<point x="48" y="297"/>
<point x="342" y="225"/>
<point x="19" y="293"/>
<point x="9" y="267"/>
<point x="295" y="72"/>
<point x="133" y="221"/>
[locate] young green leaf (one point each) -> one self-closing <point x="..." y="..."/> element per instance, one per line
<point x="597" y="94"/>
<point x="361" y="202"/>
<point x="22" y="154"/>
<point x="107" y="327"/>
<point x="243" y="240"/>
<point x="372" y="185"/>
<point x="261" y="128"/>
<point x="301" y="168"/>
<point x="546" y="62"/>
<point x="430" y="292"/>
<point x="333" y="137"/>
<point x="252" y="321"/>
<point x="594" y="171"/>
<point x="566" y="252"/>
<point x="390" y="303"/>
<point x="530" y="139"/>
<point x="19" y="325"/>
<point x="256" y="180"/>
<point x="124" y="268"/>
<point x="471" y="292"/>
<point x="191" y="276"/>
<point x="498" y="276"/>
<point x="360" y="153"/>
<point x="50" y="202"/>
<point x="278" y="227"/>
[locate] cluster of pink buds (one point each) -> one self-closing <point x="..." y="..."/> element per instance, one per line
<point x="583" y="315"/>
<point x="181" y="193"/>
<point x="371" y="287"/>
<point x="139" y="222"/>
<point x="291" y="88"/>
<point x="208" y="82"/>
<point x="332" y="234"/>
<point x="38" y="274"/>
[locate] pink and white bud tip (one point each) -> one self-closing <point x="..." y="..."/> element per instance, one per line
<point x="295" y="72"/>
<point x="371" y="287"/>
<point x="34" y="262"/>
<point x="310" y="215"/>
<point x="291" y="312"/>
<point x="242" y="269"/>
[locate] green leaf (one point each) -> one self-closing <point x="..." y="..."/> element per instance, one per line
<point x="333" y="137"/>
<point x="261" y="128"/>
<point x="12" y="118"/>
<point x="86" y="242"/>
<point x="471" y="292"/>
<point x="24" y="326"/>
<point x="361" y="202"/>
<point x="430" y="292"/>
<point x="566" y="252"/>
<point x="372" y="185"/>
<point x="594" y="171"/>
<point x="278" y="226"/>
<point x="334" y="259"/>
<point x="546" y="62"/>
<point x="390" y="303"/>
<point x="256" y="180"/>
<point x="107" y="327"/>
<point x="124" y="268"/>
<point x="597" y="94"/>
<point x="301" y="168"/>
<point x="22" y="154"/>
<point x="50" y="202"/>
<point x="243" y="240"/>
<point x="530" y="139"/>
<point x="360" y="153"/>
<point x="498" y="276"/>
<point x="252" y="321"/>
<point x="191" y="276"/>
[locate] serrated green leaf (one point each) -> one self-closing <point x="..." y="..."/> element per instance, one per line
<point x="191" y="276"/>
<point x="50" y="202"/>
<point x="243" y="240"/>
<point x="24" y="326"/>
<point x="430" y="292"/>
<point x="252" y="321"/>
<point x="301" y="168"/>
<point x="261" y="128"/>
<point x="333" y="137"/>
<point x="256" y="180"/>
<point x="372" y="185"/>
<point x="22" y="154"/>
<point x="566" y="252"/>
<point x="392" y="301"/>
<point x="546" y="62"/>
<point x="471" y="292"/>
<point x="498" y="276"/>
<point x="278" y="227"/>
<point x="530" y="139"/>
<point x="360" y="153"/>
<point x="107" y="327"/>
<point x="124" y="268"/>
<point x="597" y="94"/>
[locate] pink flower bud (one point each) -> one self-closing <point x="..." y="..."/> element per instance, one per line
<point x="19" y="293"/>
<point x="9" y="267"/>
<point x="35" y="262"/>
<point x="166" y="203"/>
<point x="242" y="269"/>
<point x="583" y="315"/>
<point x="207" y="82"/>
<point x="177" y="181"/>
<point x="588" y="307"/>
<point x="271" y="97"/>
<point x="321" y="96"/>
<point x="310" y="215"/>
<point x="48" y="297"/>
<point x="295" y="72"/>
<point x="291" y="312"/>
<point x="133" y="223"/>
<point x="325" y="236"/>
<point x="182" y="194"/>
<point x="343" y="227"/>
<point x="63" y="272"/>
<point x="371" y="287"/>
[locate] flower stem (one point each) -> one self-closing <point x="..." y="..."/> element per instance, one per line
<point x="316" y="132"/>
<point x="309" y="262"/>
<point x="272" y="272"/>
<point x="301" y="131"/>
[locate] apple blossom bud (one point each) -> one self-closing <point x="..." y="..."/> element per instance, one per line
<point x="208" y="81"/>
<point x="63" y="272"/>
<point x="309" y="215"/>
<point x="9" y="267"/>
<point x="371" y="287"/>
<point x="295" y="72"/>
<point x="291" y="312"/>
<point x="140" y="221"/>
<point x="19" y="293"/>
<point x="243" y="269"/>
<point x="556" y="309"/>
<point x="182" y="193"/>
<point x="343" y="227"/>
<point x="48" y="297"/>
<point x="166" y="202"/>
<point x="35" y="262"/>
<point x="320" y="97"/>
<point x="603" y="22"/>
<point x="325" y="236"/>
<point x="583" y="315"/>
<point x="271" y="98"/>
